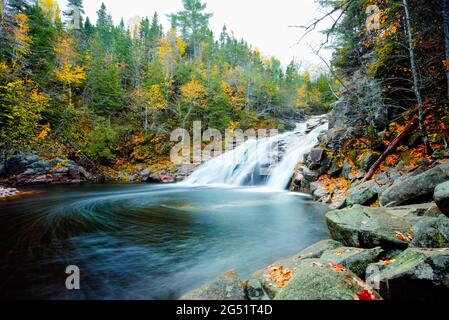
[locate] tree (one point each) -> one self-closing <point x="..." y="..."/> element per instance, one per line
<point x="416" y="85"/>
<point x="156" y="101"/>
<point x="67" y="72"/>
<point x="193" y="24"/>
<point x="446" y="39"/>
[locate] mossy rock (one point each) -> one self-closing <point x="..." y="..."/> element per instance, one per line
<point x="316" y="279"/>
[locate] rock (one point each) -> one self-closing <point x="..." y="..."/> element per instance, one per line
<point x="364" y="193"/>
<point x="316" y="279"/>
<point x="290" y="264"/>
<point x="368" y="159"/>
<point x="336" y="137"/>
<point x="441" y="197"/>
<point x="347" y="169"/>
<point x="225" y="287"/>
<point x="355" y="259"/>
<point x="335" y="168"/>
<point x="317" y="190"/>
<point x="310" y="175"/>
<point x="366" y="227"/>
<point x="338" y="204"/>
<point x="315" y="158"/>
<point x="416" y="188"/>
<point x="417" y="274"/>
<point x="431" y="233"/>
<point x="414" y="210"/>
<point x="433" y="211"/>
<point x="254" y="290"/>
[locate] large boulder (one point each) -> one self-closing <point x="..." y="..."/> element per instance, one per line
<point x="441" y="197"/>
<point x="225" y="287"/>
<point x="271" y="277"/>
<point x="364" y="193"/>
<point x="315" y="279"/>
<point x="366" y="227"/>
<point x="355" y="259"/>
<point x="417" y="187"/>
<point x="417" y="274"/>
<point x="431" y="233"/>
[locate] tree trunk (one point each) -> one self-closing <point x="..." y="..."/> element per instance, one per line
<point x="155" y="121"/>
<point x="446" y="38"/>
<point x="2" y="16"/>
<point x="145" y="125"/>
<point x="409" y="128"/>
<point x="416" y="81"/>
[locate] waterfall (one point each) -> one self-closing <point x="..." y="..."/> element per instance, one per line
<point x="268" y="162"/>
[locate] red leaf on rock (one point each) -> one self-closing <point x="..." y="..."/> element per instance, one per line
<point x="366" y="295"/>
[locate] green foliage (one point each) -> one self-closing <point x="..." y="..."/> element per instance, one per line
<point x="102" y="141"/>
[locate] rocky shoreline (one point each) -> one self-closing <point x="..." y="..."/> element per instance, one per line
<point x="398" y="253"/>
<point x="30" y="169"/>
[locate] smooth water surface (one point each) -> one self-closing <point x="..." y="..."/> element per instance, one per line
<point x="146" y="241"/>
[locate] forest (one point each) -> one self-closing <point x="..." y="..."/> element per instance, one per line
<point x="110" y="95"/>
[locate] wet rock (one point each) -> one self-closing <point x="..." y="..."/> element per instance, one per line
<point x="431" y="233"/>
<point x="417" y="274"/>
<point x="225" y="287"/>
<point x="355" y="259"/>
<point x="8" y="192"/>
<point x="416" y="188"/>
<point x="364" y="193"/>
<point x="441" y="197"/>
<point x="366" y="227"/>
<point x="315" y="279"/>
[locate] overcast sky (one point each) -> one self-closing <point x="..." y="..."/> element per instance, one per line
<point x="262" y="23"/>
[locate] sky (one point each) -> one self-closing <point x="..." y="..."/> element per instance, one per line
<point x="264" y="24"/>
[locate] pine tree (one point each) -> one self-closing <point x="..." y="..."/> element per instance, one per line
<point x="193" y="23"/>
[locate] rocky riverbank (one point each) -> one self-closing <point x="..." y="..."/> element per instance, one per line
<point x="398" y="253"/>
<point x="31" y="169"/>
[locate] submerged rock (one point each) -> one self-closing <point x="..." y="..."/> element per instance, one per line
<point x="417" y="274"/>
<point x="355" y="259"/>
<point x="316" y="279"/>
<point x="225" y="287"/>
<point x="441" y="197"/>
<point x="417" y="187"/>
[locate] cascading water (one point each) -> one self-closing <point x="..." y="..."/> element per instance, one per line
<point x="268" y="162"/>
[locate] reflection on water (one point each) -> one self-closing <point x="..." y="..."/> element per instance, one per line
<point x="146" y="242"/>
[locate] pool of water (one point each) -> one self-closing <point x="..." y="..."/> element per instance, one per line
<point x="146" y="241"/>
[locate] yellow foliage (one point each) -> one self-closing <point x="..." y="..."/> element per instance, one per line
<point x="44" y="133"/>
<point x="70" y="75"/>
<point x="156" y="100"/>
<point x="22" y="40"/>
<point x="51" y="9"/>
<point x="193" y="93"/>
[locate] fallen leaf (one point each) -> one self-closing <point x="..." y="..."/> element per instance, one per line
<point x="340" y="253"/>
<point x="366" y="295"/>
<point x="388" y="262"/>
<point x="337" y="267"/>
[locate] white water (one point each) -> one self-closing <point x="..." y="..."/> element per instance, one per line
<point x="256" y="162"/>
